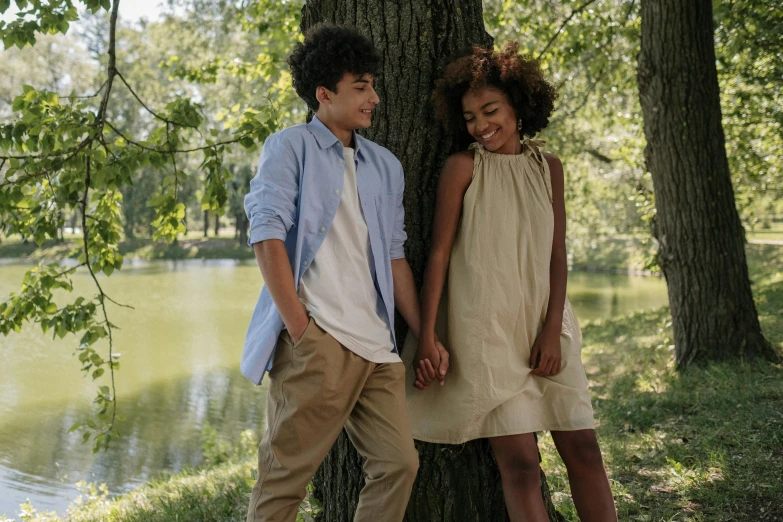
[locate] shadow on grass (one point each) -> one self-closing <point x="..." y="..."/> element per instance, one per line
<point x="703" y="445"/>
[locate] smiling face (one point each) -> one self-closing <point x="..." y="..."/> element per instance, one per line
<point x="349" y="107"/>
<point x="491" y="120"/>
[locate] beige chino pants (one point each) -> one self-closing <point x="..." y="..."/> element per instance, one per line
<point x="316" y="388"/>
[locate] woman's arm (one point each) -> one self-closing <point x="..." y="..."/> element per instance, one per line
<point x="454" y="181"/>
<point x="549" y="348"/>
<point x="405" y="298"/>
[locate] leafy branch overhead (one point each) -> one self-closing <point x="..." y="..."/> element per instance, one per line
<point x="65" y="154"/>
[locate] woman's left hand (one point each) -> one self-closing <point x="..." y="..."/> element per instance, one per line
<point x="545" y="356"/>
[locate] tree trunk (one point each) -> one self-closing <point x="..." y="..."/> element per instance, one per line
<point x="700" y="236"/>
<point x="60" y="226"/>
<point x="206" y="222"/>
<point x="217" y="224"/>
<point x="242" y="225"/>
<point x="416" y="40"/>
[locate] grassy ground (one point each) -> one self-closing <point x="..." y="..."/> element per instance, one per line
<point x="703" y="445"/>
<point x="193" y="246"/>
<point x="706" y="445"/>
<point x="774" y="232"/>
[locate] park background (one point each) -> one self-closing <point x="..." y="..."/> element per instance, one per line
<point x="682" y="441"/>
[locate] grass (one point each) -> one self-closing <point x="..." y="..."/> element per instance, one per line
<point x="220" y="492"/>
<point x="192" y="246"/>
<point x="217" y="494"/>
<point x="772" y="232"/>
<point x="703" y="445"/>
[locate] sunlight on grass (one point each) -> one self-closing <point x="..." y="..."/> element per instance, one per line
<point x="705" y="445"/>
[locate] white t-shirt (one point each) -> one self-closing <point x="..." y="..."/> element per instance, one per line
<point x="337" y="290"/>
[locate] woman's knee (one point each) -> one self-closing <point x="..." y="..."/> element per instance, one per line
<point x="579" y="450"/>
<point x="520" y="468"/>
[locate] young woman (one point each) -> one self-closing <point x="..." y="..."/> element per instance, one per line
<point x="512" y="363"/>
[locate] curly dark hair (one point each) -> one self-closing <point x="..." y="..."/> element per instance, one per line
<point x="519" y="77"/>
<point x="327" y="53"/>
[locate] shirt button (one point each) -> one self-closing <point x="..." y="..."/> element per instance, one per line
<point x="323" y="229"/>
<point x="304" y="263"/>
<point x="336" y="191"/>
<point x="340" y="162"/>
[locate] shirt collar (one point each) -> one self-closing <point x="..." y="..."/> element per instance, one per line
<point x="326" y="139"/>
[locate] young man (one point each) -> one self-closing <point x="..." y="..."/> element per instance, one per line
<point x="326" y="224"/>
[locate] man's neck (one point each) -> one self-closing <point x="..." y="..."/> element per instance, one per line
<point x="344" y="135"/>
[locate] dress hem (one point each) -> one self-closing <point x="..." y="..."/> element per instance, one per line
<point x="435" y="440"/>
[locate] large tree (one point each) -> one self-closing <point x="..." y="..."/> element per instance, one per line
<point x="701" y="240"/>
<point x="416" y="39"/>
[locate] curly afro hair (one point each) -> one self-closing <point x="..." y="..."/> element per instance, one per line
<point x="519" y="77"/>
<point x="327" y="53"/>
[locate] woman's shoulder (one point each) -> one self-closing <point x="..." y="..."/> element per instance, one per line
<point x="457" y="171"/>
<point x="461" y="161"/>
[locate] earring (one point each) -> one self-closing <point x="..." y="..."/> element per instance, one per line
<point x="519" y="125"/>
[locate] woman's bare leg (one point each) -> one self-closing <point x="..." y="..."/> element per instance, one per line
<point x="589" y="484"/>
<point x="517" y="457"/>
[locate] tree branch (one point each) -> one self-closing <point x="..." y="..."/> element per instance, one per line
<point x="562" y="26"/>
<point x="87" y="96"/>
<point x="173" y="161"/>
<point x="158" y="116"/>
<point x="116" y="303"/>
<point x="175" y="151"/>
<point x="56" y="166"/>
<point x="99" y="121"/>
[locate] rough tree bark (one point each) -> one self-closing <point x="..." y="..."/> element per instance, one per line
<point x="415" y="39"/>
<point x="701" y="240"/>
<point x="241" y="228"/>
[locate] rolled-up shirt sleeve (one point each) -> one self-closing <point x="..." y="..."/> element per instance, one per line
<point x="271" y="203"/>
<point x="399" y="236"/>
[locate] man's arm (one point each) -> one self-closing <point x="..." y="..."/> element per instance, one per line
<point x="271" y="209"/>
<point x="279" y="279"/>
<point x="405" y="298"/>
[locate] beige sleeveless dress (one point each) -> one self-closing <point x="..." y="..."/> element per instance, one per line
<point x="493" y="307"/>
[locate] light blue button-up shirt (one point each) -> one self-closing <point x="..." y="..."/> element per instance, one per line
<point x="294" y="198"/>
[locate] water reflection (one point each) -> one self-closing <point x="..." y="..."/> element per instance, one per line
<point x="40" y="460"/>
<point x="180" y="351"/>
<point x="600" y="295"/>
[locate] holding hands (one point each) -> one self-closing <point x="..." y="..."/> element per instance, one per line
<point x="431" y="362"/>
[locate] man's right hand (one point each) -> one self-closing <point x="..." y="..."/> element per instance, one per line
<point x="430" y="355"/>
<point x="298" y="331"/>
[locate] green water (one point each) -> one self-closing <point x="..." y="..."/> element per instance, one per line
<point x="180" y="355"/>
